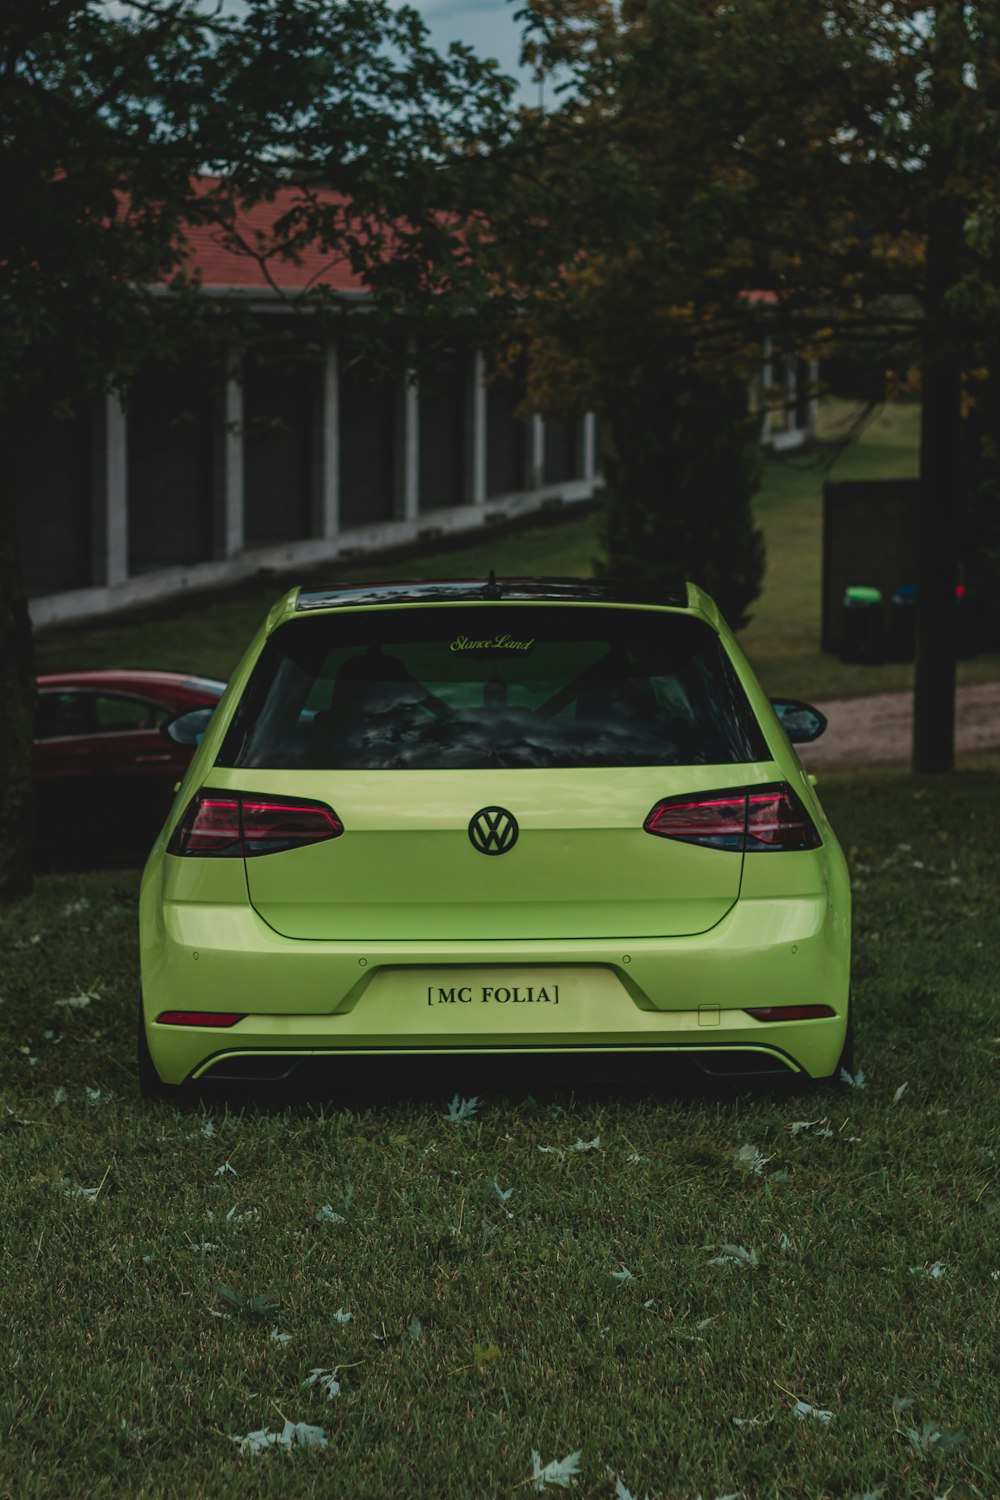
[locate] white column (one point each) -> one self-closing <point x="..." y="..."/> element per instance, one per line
<point x="411" y="448"/>
<point x="537" y="475"/>
<point x="813" y="396"/>
<point x="115" y="492"/>
<point x="232" y="449"/>
<point x="589" y="446"/>
<point x="479" y="429"/>
<point x="330" y="493"/>
<point x="791" y="407"/>
<point x="765" y="383"/>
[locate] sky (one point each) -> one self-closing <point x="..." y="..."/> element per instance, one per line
<point x="487" y="25"/>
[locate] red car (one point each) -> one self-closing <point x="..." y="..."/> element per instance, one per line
<point x="104" y="771"/>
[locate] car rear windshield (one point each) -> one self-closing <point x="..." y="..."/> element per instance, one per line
<point x="464" y="687"/>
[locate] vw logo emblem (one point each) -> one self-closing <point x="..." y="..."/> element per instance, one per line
<point x="493" y="830"/>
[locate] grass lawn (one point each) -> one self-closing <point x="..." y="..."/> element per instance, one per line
<point x="209" y="634"/>
<point x="582" y="1272"/>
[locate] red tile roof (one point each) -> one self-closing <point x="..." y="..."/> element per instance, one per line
<point x="223" y="258"/>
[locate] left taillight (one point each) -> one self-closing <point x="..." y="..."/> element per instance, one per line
<point x="745" y="820"/>
<point x="246" y="824"/>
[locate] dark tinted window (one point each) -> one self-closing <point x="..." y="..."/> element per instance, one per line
<point x="64" y="715"/>
<point x="492" y="685"/>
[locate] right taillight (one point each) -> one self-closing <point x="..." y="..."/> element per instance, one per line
<point x="245" y="824"/>
<point x="776" y="819"/>
<point x="745" y="820"/>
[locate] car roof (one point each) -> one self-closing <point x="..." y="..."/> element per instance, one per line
<point x="136" y="680"/>
<point x="478" y="590"/>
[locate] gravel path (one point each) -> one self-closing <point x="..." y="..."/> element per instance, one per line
<point x="863" y="730"/>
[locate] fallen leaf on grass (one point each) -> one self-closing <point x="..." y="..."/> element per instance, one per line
<point x="461" y="1109"/>
<point x="253" y="1308"/>
<point x="326" y="1380"/>
<point x="856" y="1080"/>
<point x="65" y="1186"/>
<point x="935" y="1271"/>
<point x="280" y="1338"/>
<point x="736" y="1255"/>
<point x="593" y="1145"/>
<point x="485" y="1355"/>
<point x="622" y="1492"/>
<point x="342" y="1316"/>
<point x="225" y="1171"/>
<point x="798" y="1127"/>
<point x="292" y="1433"/>
<point x="802" y="1409"/>
<point x="931" y="1441"/>
<point x="622" y="1276"/>
<point x="560" y="1472"/>
<point x="249" y="1215"/>
<point x="328" y="1215"/>
<point x="79" y="1001"/>
<point x="749" y="1159"/>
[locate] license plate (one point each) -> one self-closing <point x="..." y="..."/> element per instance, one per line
<point x="483" y="1002"/>
<point x="492" y="992"/>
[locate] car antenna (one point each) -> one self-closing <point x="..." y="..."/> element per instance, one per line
<point x="492" y="589"/>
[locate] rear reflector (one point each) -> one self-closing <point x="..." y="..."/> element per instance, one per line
<point x="244" y="824"/>
<point x="743" y="820"/>
<point x="789" y="1012"/>
<point x="198" y="1018"/>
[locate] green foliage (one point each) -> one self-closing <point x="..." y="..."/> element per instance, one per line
<point x="126" y="127"/>
<point x="840" y="157"/>
<point x="682" y="464"/>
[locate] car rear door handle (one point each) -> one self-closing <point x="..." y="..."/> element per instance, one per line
<point x="142" y="760"/>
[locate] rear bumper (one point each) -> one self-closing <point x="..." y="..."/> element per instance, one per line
<point x="637" y="998"/>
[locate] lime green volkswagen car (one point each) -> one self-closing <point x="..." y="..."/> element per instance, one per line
<point x="467" y="820"/>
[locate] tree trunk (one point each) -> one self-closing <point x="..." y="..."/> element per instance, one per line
<point x="937" y="566"/>
<point x="940" y="500"/>
<point x="17" y="697"/>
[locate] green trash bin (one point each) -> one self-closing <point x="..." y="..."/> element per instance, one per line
<point x="862" y="625"/>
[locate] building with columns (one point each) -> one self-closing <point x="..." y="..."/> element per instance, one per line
<point x="194" y="481"/>
<point x="191" y="482"/>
